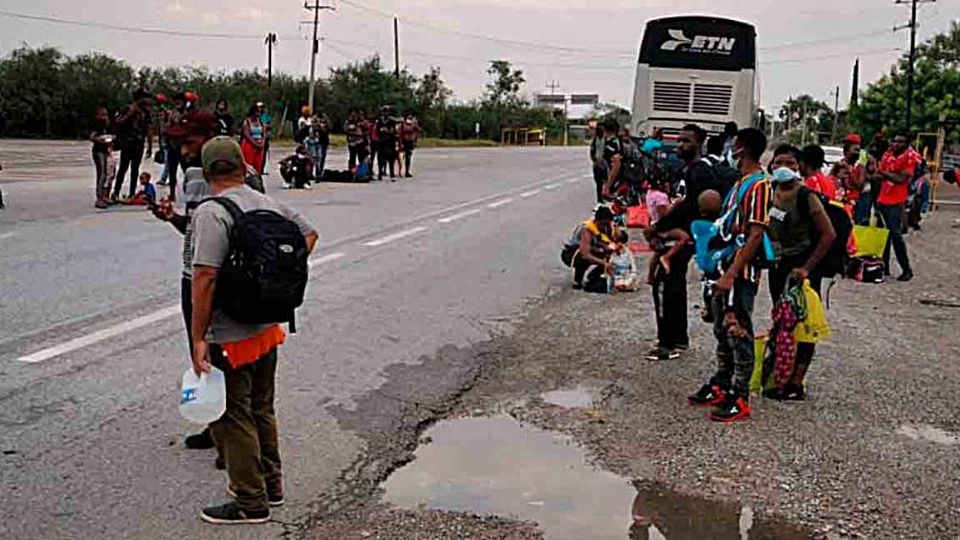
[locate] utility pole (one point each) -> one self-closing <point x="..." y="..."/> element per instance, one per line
<point x="913" y="54"/>
<point x="553" y="86"/>
<point x="396" y="49"/>
<point x="270" y="42"/>
<point x="316" y="7"/>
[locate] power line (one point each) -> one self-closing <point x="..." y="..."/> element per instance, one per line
<point x="494" y="39"/>
<point x="119" y="28"/>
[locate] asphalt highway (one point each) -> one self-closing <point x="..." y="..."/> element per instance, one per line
<point x="92" y="345"/>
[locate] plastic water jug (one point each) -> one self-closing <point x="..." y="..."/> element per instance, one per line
<point x="203" y="399"/>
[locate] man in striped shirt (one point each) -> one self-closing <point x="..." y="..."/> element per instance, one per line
<point x="735" y="292"/>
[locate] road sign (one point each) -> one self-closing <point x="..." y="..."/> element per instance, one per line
<point x="584" y="99"/>
<point x="551" y="99"/>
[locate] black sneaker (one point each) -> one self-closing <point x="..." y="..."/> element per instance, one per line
<point x="229" y="514"/>
<point x="733" y="409"/>
<point x="709" y="395"/>
<point x="790" y="392"/>
<point x="220" y="464"/>
<point x="199" y="441"/>
<point x="906" y="276"/>
<point x="274" y="499"/>
<point x="662" y="354"/>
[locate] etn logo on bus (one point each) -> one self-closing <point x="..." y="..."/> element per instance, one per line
<point x="702" y="44"/>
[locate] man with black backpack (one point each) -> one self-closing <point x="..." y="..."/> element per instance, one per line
<point x="249" y="274"/>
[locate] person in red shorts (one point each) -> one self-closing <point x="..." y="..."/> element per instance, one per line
<point x="897" y="168"/>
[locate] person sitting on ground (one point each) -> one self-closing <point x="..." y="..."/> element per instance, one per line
<point x="588" y="252"/>
<point x="297" y="168"/>
<point x="147" y="195"/>
<point x="802" y="234"/>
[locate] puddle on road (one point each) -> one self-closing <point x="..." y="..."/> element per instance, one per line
<point x="497" y="466"/>
<point x="578" y="398"/>
<point x="929" y="433"/>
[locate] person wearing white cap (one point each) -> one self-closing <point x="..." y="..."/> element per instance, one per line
<point x="802" y="234"/>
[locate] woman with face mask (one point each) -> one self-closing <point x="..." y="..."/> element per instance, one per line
<point x="802" y="234"/>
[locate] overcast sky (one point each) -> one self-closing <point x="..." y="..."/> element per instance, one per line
<point x="590" y="45"/>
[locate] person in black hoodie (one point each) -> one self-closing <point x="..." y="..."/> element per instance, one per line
<point x="670" y="286"/>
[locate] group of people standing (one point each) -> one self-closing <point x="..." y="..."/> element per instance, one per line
<point x="386" y="139"/>
<point x="131" y="131"/>
<point x="779" y="219"/>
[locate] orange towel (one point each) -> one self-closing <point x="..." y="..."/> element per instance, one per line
<point x="248" y="351"/>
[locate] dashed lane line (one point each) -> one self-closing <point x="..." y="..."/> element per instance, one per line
<point x="394" y="237"/>
<point x="531" y="193"/>
<point x="326" y="259"/>
<point x="501" y="202"/>
<point x="549" y="187"/>
<point x="461" y="215"/>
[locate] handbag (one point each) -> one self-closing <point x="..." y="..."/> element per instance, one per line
<point x="871" y="240"/>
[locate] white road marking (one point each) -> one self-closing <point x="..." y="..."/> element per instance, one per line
<point x="551" y="186"/>
<point x="530" y="193"/>
<point x="394" y="237"/>
<point x="461" y="215"/>
<point x="330" y="257"/>
<point x="100" y="335"/>
<point x="4" y="236"/>
<point x="500" y="203"/>
<point x="587" y="176"/>
<point x="574" y="180"/>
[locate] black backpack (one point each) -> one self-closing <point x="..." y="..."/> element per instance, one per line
<point x="264" y="277"/>
<point x="835" y="261"/>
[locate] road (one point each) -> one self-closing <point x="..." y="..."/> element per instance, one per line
<point x="92" y="346"/>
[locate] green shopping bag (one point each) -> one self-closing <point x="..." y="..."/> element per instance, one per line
<point x="871" y="240"/>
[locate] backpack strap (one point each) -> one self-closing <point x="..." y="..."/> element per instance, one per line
<point x="235" y="212"/>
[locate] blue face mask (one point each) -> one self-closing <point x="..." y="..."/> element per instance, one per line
<point x="784" y="175"/>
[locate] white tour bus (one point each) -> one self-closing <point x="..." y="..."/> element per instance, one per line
<point x="695" y="69"/>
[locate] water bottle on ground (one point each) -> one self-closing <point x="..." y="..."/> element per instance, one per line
<point x="203" y="399"/>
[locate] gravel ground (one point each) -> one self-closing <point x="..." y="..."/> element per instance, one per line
<point x="378" y="522"/>
<point x="850" y="462"/>
<point x="872" y="453"/>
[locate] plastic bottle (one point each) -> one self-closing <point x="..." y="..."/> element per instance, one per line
<point x="203" y="399"/>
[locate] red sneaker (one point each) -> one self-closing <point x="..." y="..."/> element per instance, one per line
<point x="732" y="409"/>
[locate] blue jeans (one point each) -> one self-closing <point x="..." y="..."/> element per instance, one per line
<point x="893" y="220"/>
<point x="861" y="212"/>
<point x="319" y="154"/>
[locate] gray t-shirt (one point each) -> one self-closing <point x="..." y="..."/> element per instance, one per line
<point x="211" y="245"/>
<point x="195" y="190"/>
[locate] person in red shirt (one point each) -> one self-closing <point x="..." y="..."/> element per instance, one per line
<point x="897" y="168"/>
<point x="857" y="189"/>
<point x="811" y="166"/>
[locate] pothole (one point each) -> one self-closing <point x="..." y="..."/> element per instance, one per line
<point x="498" y="466"/>
<point x="929" y="433"/>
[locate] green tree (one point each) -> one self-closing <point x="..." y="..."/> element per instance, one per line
<point x="882" y="106"/>
<point x="32" y="93"/>
<point x="505" y="87"/>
